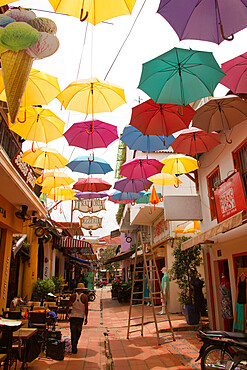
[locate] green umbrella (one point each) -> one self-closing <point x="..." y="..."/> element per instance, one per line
<point x="145" y="198"/>
<point x="180" y="76"/>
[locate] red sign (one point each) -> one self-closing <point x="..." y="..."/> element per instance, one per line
<point x="230" y="198"/>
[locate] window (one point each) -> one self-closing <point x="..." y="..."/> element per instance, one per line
<point x="213" y="180"/>
<point x="240" y="162"/>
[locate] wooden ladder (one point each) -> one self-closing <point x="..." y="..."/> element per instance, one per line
<point x="152" y="274"/>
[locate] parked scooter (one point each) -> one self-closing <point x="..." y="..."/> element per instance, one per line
<point x="222" y="350"/>
<point x="91" y="294"/>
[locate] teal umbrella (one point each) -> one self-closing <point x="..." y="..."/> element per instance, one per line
<point x="145" y="198"/>
<point x="180" y="76"/>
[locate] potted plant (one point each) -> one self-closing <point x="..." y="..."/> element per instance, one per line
<point x="42" y="287"/>
<point x="184" y="272"/>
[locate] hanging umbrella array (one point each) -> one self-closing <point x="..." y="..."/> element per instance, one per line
<point x="194" y="141"/>
<point x="89" y="165"/>
<point x="45" y="158"/>
<point x="54" y="179"/>
<point x="91" y="185"/>
<point x="91" y="195"/>
<point x="140" y="168"/>
<point x="160" y="119"/>
<point x="146" y="197"/>
<point x="82" y="135"/>
<point x="132" y="185"/>
<point x="236" y="74"/>
<point x="176" y="164"/>
<point x="135" y="140"/>
<point x="212" y="21"/>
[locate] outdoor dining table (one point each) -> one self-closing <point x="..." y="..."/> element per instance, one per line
<point x="24" y="334"/>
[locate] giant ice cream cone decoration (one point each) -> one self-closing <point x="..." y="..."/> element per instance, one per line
<point x="22" y="42"/>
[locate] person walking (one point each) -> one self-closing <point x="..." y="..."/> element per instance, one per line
<point x="79" y="313"/>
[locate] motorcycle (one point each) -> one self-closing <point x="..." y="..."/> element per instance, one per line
<point x="223" y="350"/>
<point x="99" y="284"/>
<point x="91" y="294"/>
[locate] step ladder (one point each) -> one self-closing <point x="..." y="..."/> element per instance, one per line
<point x="153" y="280"/>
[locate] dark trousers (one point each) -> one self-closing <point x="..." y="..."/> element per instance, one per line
<point x="75" y="329"/>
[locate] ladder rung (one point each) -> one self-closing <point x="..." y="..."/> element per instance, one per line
<point x="136" y="299"/>
<point x="153" y="279"/>
<point x="135" y="305"/>
<point x="137" y="317"/>
<point x="162" y="321"/>
<point x="138" y="280"/>
<point x="137" y="293"/>
<point x="133" y="331"/>
<point x="156" y="292"/>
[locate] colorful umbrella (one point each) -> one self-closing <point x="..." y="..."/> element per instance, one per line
<point x="80" y="134"/>
<point x="160" y="119"/>
<point x="132" y="185"/>
<point x="140" y="168"/>
<point x="89" y="165"/>
<point x="118" y="195"/>
<point x="169" y="77"/>
<point x="154" y="198"/>
<point x="93" y="11"/>
<point x="41" y="88"/>
<point x="91" y="195"/>
<point x="236" y="74"/>
<point x="164" y="179"/>
<point x="38" y="124"/>
<point x="91" y="185"/>
<point x="45" y="158"/>
<point x="61" y="197"/>
<point x="176" y="164"/>
<point x="135" y="140"/>
<point x="62" y="190"/>
<point x="212" y="21"/>
<point x="54" y="179"/>
<point x="194" y="141"/>
<point x="146" y="197"/>
<point x="221" y="114"/>
<point x="179" y="229"/>
<point x="192" y="227"/>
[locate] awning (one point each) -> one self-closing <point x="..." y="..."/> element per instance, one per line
<point x="145" y="215"/>
<point x="68" y="242"/>
<point x="222" y="227"/>
<point x="120" y="257"/>
<point x="79" y="260"/>
<point x="17" y="246"/>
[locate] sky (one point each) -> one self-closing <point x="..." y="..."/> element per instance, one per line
<point x="87" y="51"/>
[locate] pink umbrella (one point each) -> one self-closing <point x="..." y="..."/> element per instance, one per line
<point x="236" y="74"/>
<point x="80" y="134"/>
<point x="141" y="168"/>
<point x="92" y="185"/>
<point x="194" y="140"/>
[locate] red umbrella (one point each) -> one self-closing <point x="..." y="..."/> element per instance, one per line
<point x="160" y="119"/>
<point x="194" y="141"/>
<point x="236" y="74"/>
<point x="92" y="185"/>
<point x="141" y="168"/>
<point x="81" y="135"/>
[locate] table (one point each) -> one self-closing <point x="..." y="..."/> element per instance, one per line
<point x="24" y="334"/>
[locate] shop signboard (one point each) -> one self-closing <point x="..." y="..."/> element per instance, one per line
<point x="89" y="205"/>
<point x="24" y="170"/>
<point x="229" y="197"/>
<point x="90" y="223"/>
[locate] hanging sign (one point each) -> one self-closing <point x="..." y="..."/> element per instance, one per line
<point x="89" y="205"/>
<point x="91" y="223"/>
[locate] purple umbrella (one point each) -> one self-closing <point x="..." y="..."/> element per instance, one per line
<point x="82" y="135"/>
<point x="206" y="20"/>
<point x="132" y="185"/>
<point x="141" y="168"/>
<point x="90" y="195"/>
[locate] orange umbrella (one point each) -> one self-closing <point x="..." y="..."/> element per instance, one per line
<point x="154" y="199"/>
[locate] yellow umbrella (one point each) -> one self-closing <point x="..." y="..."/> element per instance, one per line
<point x="93" y="11"/>
<point x="62" y="190"/>
<point x="176" y="164"/>
<point x="45" y="158"/>
<point x="61" y="197"/>
<point x="165" y="179"/>
<point x="179" y="229"/>
<point x="54" y="179"/>
<point x="193" y="227"/>
<point x="5" y="2"/>
<point x="38" y="124"/>
<point x="41" y="88"/>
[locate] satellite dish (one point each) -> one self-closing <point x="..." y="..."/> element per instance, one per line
<point x="23" y="213"/>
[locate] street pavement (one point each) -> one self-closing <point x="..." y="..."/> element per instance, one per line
<point x="103" y="343"/>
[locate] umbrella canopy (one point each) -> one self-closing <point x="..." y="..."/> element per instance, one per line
<point x="140" y="168"/>
<point x="154" y="199"/>
<point x="169" y="77"/>
<point x="132" y="185"/>
<point x="221" y="114"/>
<point x="41" y="88"/>
<point x="194" y="141"/>
<point x="192" y="227"/>
<point x="160" y="119"/>
<point x="164" y="179"/>
<point x="236" y="74"/>
<point x="63" y="190"/>
<point x="145" y="198"/>
<point x="38" y="124"/>
<point x="80" y="134"/>
<point x="176" y="164"/>
<point x="89" y="165"/>
<point x="118" y="195"/>
<point x="45" y="158"/>
<point x="179" y="229"/>
<point x="91" y="185"/>
<point x="135" y="140"/>
<point x="60" y="197"/>
<point x="91" y="195"/>
<point x="205" y="20"/>
<point x="54" y="179"/>
<point x="93" y="11"/>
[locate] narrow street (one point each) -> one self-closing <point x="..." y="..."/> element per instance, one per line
<point x="103" y="344"/>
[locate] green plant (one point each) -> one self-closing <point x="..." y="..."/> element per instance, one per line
<point x="25" y="246"/>
<point x="43" y="287"/>
<point x="59" y="283"/>
<point x="184" y="269"/>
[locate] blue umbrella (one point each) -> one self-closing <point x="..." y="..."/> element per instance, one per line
<point x="146" y="196"/>
<point x="89" y="165"/>
<point x="135" y="140"/>
<point x="118" y="195"/>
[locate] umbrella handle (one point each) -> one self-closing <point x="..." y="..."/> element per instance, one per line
<point x="176" y="186"/>
<point x="223" y="36"/>
<point x="40" y="182"/>
<point x="92" y="129"/>
<point x="181" y="114"/>
<point x="82" y="19"/>
<point x="91" y="160"/>
<point x="148" y="162"/>
<point x="25" y="118"/>
<point x="133" y="203"/>
<point x="33" y="150"/>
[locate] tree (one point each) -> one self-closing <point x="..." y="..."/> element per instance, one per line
<point x="108" y="253"/>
